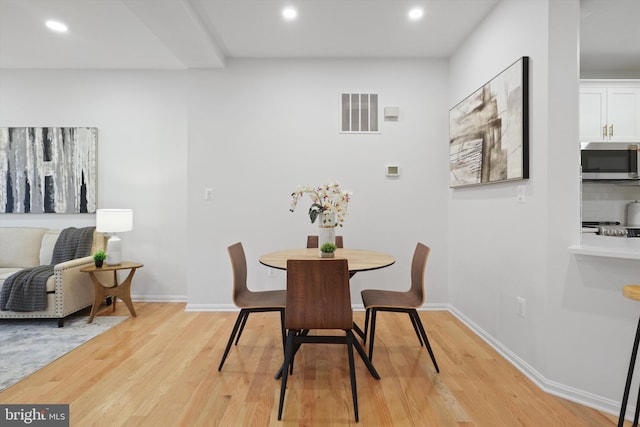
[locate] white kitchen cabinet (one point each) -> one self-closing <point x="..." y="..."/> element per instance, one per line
<point x="610" y="112"/>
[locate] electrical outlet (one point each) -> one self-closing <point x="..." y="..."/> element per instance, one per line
<point x="271" y="272"/>
<point x="208" y="194"/>
<point x="522" y="306"/>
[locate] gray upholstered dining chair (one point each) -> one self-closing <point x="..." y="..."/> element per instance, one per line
<point x="375" y="300"/>
<point x="318" y="297"/>
<point x="312" y="242"/>
<point x="250" y="301"/>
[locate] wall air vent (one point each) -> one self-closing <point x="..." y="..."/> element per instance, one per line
<point x="359" y="113"/>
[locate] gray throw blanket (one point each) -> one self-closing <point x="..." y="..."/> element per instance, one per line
<point x="26" y="290"/>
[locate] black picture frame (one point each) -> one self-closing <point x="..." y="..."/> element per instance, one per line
<point x="489" y="131"/>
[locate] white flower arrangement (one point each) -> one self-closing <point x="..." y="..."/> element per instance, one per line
<point x="326" y="198"/>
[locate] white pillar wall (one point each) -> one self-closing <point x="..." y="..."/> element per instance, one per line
<point x="576" y="336"/>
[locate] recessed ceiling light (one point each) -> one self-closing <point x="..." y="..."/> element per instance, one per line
<point x="416" y="13"/>
<point x="289" y="13"/>
<point x="57" y="26"/>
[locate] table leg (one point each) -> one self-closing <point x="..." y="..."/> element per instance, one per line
<point x="295" y="350"/>
<point x="358" y="331"/>
<point x="123" y="291"/>
<point x="366" y="360"/>
<point x="98" y="296"/>
<point x="359" y="349"/>
<point x="356" y="327"/>
<point x="115" y="284"/>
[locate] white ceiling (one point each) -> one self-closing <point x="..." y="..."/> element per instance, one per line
<point x="610" y="37"/>
<point x="180" y="34"/>
<point x="176" y="34"/>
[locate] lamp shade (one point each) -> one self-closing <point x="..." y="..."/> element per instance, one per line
<point x="114" y="220"/>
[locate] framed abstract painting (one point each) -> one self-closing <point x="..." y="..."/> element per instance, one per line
<point x="489" y="131"/>
<point x="48" y="169"/>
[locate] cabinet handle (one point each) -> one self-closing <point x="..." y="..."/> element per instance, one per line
<point x="610" y="131"/>
<point x="604" y="131"/>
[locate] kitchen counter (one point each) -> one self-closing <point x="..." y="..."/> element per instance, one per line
<point x="605" y="246"/>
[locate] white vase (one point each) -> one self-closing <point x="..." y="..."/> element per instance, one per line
<point x="327" y="224"/>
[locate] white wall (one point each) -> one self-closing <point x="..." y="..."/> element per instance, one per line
<point x="576" y="337"/>
<point x="142" y="137"/>
<point x="253" y="132"/>
<point x="497" y="245"/>
<point x="260" y="128"/>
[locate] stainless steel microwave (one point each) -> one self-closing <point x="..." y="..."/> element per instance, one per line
<point x="610" y="161"/>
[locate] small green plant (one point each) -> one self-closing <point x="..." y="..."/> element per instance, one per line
<point x="328" y="248"/>
<point x="99" y="255"/>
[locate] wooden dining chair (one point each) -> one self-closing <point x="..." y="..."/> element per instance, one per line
<point x="312" y="242"/>
<point x="250" y="301"/>
<point x="318" y="297"/>
<point x="375" y="300"/>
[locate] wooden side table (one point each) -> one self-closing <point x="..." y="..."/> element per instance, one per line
<point x="116" y="290"/>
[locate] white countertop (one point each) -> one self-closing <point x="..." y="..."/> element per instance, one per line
<point x="605" y="246"/>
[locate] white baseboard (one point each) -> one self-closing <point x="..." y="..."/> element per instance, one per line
<point x="159" y="298"/>
<point x="554" y="388"/>
<point x="211" y="307"/>
<point x="232" y="307"/>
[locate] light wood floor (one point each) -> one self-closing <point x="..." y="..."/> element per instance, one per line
<point x="160" y="369"/>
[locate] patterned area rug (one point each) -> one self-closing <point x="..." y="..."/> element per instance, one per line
<point x="28" y="345"/>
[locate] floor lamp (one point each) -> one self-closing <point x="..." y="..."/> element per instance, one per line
<point x="112" y="221"/>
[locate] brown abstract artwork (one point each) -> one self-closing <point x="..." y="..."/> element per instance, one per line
<point x="489" y="131"/>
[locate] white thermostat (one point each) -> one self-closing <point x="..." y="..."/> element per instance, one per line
<point x="391" y="113"/>
<point x="393" y="170"/>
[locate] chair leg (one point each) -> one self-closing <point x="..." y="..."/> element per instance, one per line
<point x="627" y="387"/>
<point x="285" y="370"/>
<point x="635" y="418"/>
<point x="352" y="372"/>
<point x="242" y="315"/>
<point x="372" y="332"/>
<point x="244" y="321"/>
<point x="415" y="315"/>
<point x="415" y="328"/>
<point x="366" y="325"/>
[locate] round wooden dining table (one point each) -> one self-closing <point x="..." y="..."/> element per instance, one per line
<point x="358" y="259"/>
